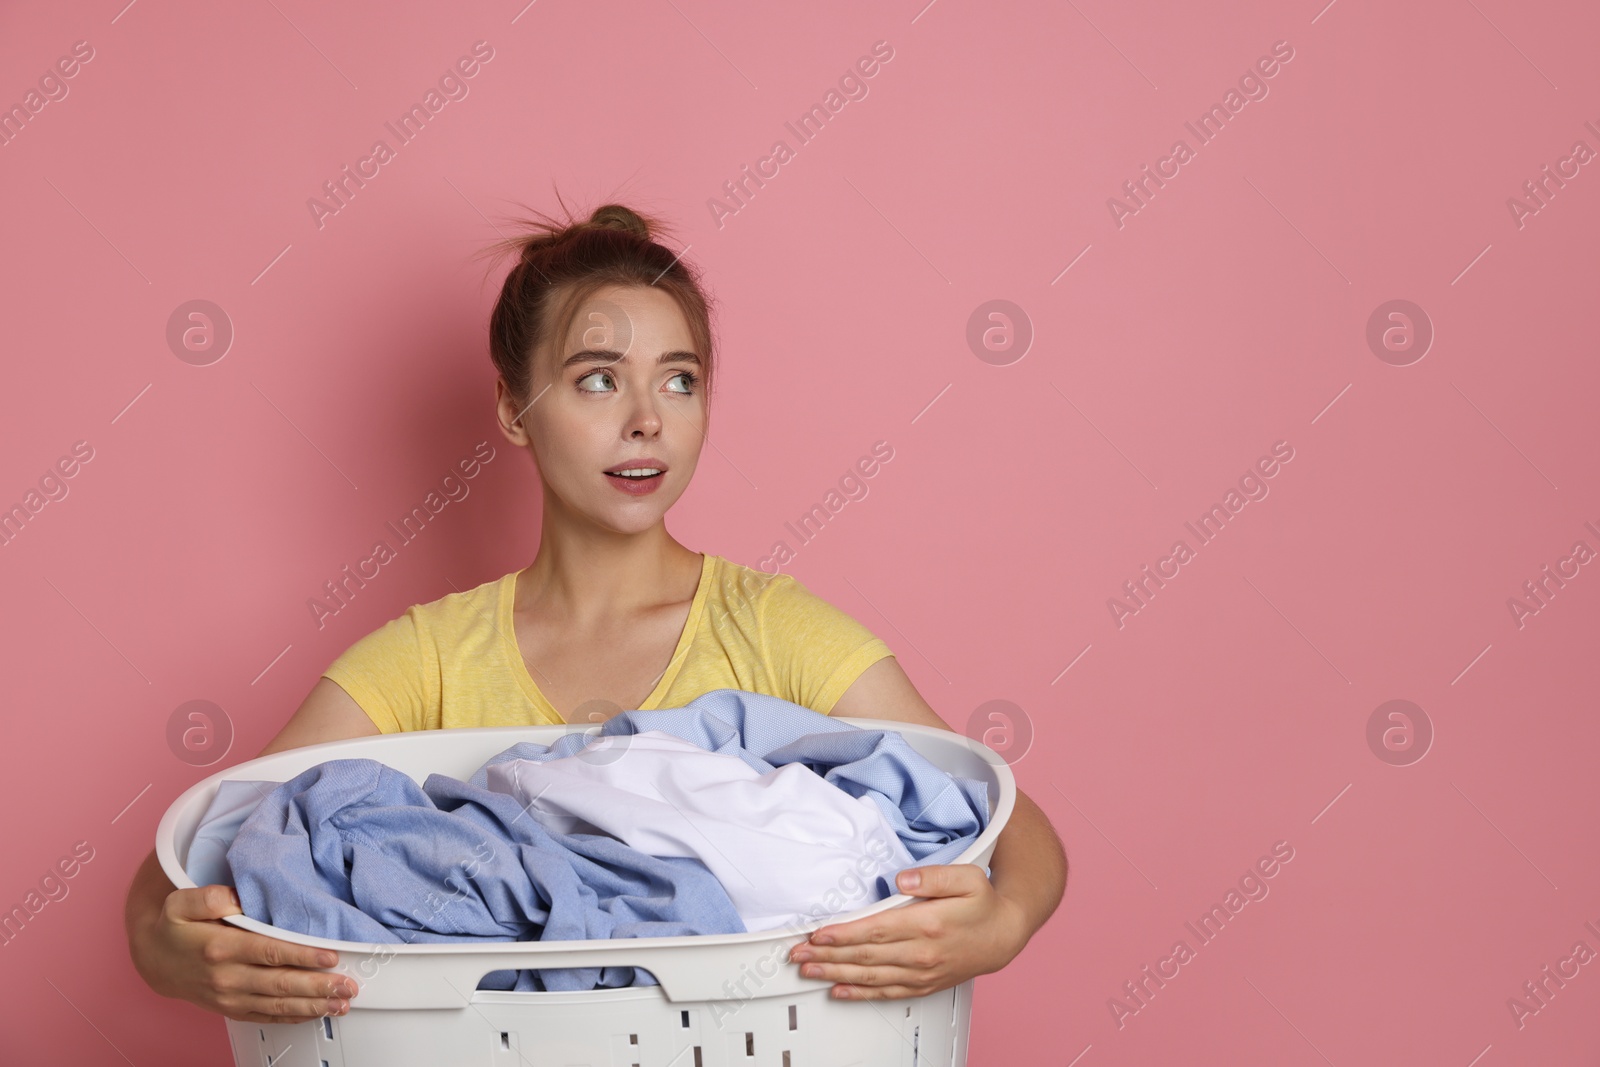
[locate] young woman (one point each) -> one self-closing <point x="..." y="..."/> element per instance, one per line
<point x="603" y="344"/>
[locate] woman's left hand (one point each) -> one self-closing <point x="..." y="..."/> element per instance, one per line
<point x="964" y="928"/>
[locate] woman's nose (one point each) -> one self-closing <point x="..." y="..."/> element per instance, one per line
<point x="644" y="418"/>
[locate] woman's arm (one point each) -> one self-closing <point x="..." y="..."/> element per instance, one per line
<point x="182" y="949"/>
<point x="979" y="924"/>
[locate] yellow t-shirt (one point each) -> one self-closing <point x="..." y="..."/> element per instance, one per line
<point x="455" y="662"/>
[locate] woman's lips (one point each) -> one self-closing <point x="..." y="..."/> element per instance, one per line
<point x="637" y="486"/>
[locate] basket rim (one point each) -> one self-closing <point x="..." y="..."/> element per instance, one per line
<point x="166" y="851"/>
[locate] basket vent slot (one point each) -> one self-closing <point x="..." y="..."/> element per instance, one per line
<point x="794" y="1024"/>
<point x="749" y="1043"/>
<point x="327" y="1027"/>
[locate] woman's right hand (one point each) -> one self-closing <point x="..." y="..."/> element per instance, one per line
<point x="187" y="952"/>
<point x="182" y="948"/>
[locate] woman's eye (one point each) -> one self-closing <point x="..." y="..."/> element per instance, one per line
<point x="688" y="378"/>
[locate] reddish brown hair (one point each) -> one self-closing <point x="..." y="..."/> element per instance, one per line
<point x="559" y="264"/>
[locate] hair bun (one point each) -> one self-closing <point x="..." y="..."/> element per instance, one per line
<point x="618" y="217"/>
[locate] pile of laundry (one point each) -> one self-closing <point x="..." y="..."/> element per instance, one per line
<point x="737" y="812"/>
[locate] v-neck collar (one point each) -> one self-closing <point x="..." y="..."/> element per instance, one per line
<point x="519" y="667"/>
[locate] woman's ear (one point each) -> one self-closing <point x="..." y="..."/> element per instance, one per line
<point x="510" y="414"/>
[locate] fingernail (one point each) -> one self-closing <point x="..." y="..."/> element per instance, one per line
<point x="326" y="959"/>
<point x="910" y="879"/>
<point x="802" y="956"/>
<point x="842" y="992"/>
<point x="336" y="1007"/>
<point x="812" y="970"/>
<point x="822" y="939"/>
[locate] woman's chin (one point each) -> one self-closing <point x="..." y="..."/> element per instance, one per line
<point x="633" y="519"/>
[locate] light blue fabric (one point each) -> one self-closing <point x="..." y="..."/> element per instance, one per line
<point x="935" y="814"/>
<point x="207" y="862"/>
<point x="356" y="851"/>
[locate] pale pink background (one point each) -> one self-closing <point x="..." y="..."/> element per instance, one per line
<point x="1227" y="315"/>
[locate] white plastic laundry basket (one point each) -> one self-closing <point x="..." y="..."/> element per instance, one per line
<point x="723" y="999"/>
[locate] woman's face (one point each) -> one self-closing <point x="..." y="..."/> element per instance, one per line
<point x="624" y="385"/>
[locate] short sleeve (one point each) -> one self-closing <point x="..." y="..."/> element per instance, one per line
<point x="813" y="650"/>
<point x="387" y="672"/>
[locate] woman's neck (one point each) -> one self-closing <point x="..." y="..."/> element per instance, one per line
<point x="588" y="580"/>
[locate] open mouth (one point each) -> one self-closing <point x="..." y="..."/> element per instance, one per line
<point x="639" y="480"/>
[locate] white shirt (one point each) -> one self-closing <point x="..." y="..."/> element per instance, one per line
<point x="788" y="846"/>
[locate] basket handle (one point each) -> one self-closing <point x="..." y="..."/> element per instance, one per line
<point x="687" y="969"/>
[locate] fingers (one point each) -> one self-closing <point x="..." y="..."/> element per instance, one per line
<point x="281" y="992"/>
<point x="941" y="880"/>
<point x="261" y="1009"/>
<point x="198" y="905"/>
<point x="855" y="974"/>
<point x="896" y="924"/>
<point x="220" y="944"/>
<point x="270" y="952"/>
<point x="292" y="982"/>
<point x="869" y="992"/>
<point x="919" y="919"/>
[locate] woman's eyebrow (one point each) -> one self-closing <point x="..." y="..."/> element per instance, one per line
<point x="607" y="356"/>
